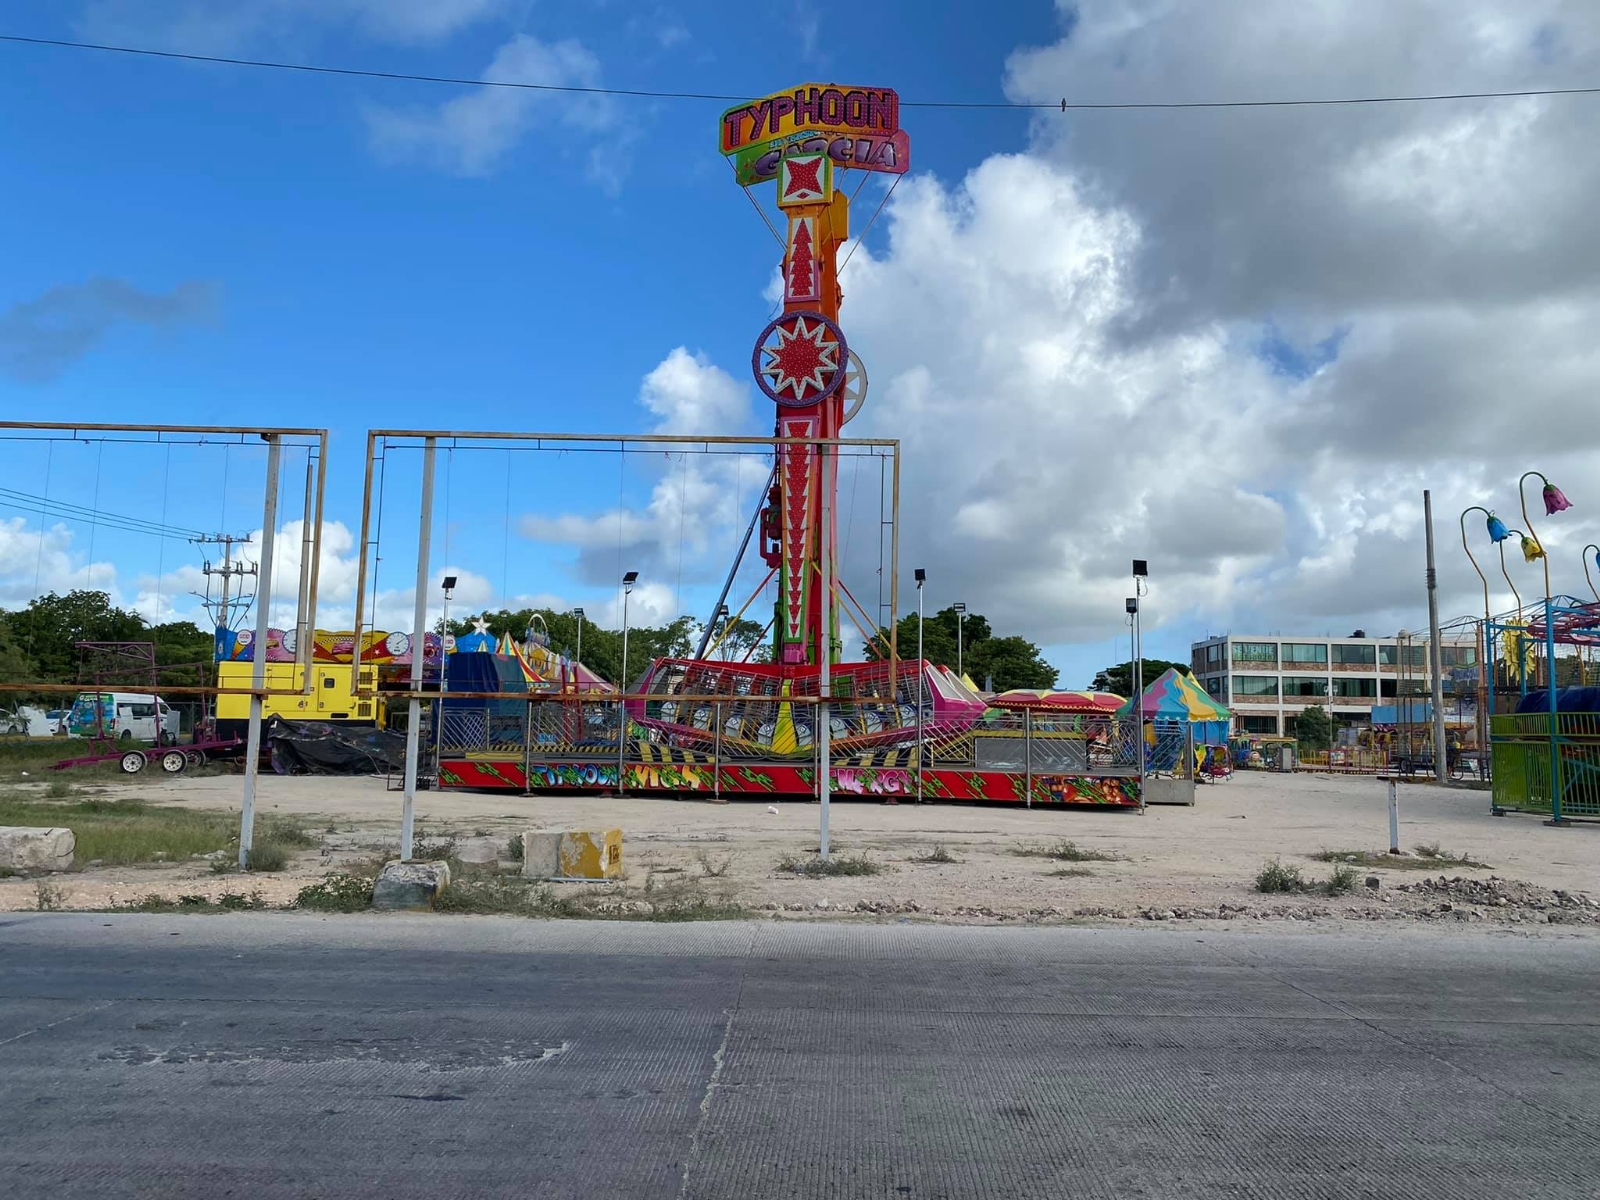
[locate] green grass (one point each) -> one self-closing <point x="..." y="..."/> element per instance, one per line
<point x="1400" y="862"/>
<point x="1063" y="850"/>
<point x="1275" y="876"/>
<point x="339" y="891"/>
<point x="227" y="902"/>
<point x="122" y="832"/>
<point x="815" y="868"/>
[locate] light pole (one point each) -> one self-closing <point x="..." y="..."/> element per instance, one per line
<point x="577" y="660"/>
<point x="444" y="674"/>
<point x="628" y="581"/>
<point x="922" y="670"/>
<point x="1498" y="533"/>
<point x="961" y="617"/>
<point x="1141" y="571"/>
<point x="1554" y="501"/>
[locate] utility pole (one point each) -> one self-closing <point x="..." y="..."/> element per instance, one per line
<point x="222" y="610"/>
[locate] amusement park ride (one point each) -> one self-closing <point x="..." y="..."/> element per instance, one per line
<point x="895" y="728"/>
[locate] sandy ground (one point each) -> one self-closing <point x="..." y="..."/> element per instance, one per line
<point x="1183" y="862"/>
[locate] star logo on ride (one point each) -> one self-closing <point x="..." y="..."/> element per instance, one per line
<point x="804" y="178"/>
<point x="803" y="362"/>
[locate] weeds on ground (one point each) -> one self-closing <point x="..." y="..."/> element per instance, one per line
<point x="1401" y="862"/>
<point x="59" y="789"/>
<point x="1063" y="850"/>
<point x="427" y="846"/>
<point x="515" y="849"/>
<point x="267" y="856"/>
<point x="816" y="868"/>
<point x="1275" y="876"/>
<point x="288" y="833"/>
<point x="47" y="896"/>
<point x="714" y="868"/>
<point x="338" y="892"/>
<point x="939" y="854"/>
<point x="122" y="832"/>
<point x="154" y="902"/>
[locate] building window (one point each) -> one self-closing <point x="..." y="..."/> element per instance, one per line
<point x="1256" y="652"/>
<point x="1214" y="686"/>
<point x="1305" y="652"/>
<point x="1387" y="689"/>
<point x="1214" y="652"/>
<point x="1304" y="685"/>
<point x="1356" y="689"/>
<point x="1459" y="656"/>
<point x="1252" y="724"/>
<point x="1255" y="685"/>
<point x="1414" y="656"/>
<point x="1355" y="656"/>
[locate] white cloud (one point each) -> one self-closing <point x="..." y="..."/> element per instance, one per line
<point x="35" y="561"/>
<point x="687" y="394"/>
<point x="471" y="133"/>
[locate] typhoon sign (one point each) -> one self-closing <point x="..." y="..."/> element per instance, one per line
<point x="855" y="127"/>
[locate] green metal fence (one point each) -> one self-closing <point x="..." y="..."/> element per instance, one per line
<point x="1520" y="754"/>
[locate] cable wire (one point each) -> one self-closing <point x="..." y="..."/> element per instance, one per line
<point x="1064" y="105"/>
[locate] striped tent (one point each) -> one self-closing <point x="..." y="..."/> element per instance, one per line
<point x="1175" y="696"/>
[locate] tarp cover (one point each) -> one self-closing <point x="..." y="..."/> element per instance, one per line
<point x="1568" y="699"/>
<point x="323" y="748"/>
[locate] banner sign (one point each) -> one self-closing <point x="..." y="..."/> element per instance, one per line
<point x="827" y="108"/>
<point x="890" y="153"/>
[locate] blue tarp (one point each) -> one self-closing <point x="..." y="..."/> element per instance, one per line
<point x="475" y="671"/>
<point x="1571" y="699"/>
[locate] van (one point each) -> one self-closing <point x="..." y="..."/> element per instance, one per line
<point x="125" y="716"/>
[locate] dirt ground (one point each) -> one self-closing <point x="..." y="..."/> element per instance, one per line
<point x="1170" y="863"/>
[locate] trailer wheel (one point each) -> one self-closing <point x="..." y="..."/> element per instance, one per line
<point x="132" y="762"/>
<point x="195" y="758"/>
<point x="174" y="761"/>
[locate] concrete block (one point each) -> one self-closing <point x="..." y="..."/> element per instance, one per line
<point x="541" y="855"/>
<point x="572" y="854"/>
<point x="480" y="851"/>
<point x="414" y="886"/>
<point x="1158" y="790"/>
<point x="25" y="848"/>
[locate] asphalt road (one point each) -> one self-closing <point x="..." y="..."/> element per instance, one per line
<point x="290" y="1056"/>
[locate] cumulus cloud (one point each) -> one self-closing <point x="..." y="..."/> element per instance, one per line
<point x="42" y="337"/>
<point x="36" y="560"/>
<point x="471" y="133"/>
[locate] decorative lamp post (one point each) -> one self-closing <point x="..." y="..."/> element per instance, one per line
<point x="444" y="673"/>
<point x="1587" y="577"/>
<point x="1554" y="501"/>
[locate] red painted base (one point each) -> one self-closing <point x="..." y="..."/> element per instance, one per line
<point x="780" y="779"/>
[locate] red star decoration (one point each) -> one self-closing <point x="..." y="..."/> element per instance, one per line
<point x="804" y="177"/>
<point x="803" y="361"/>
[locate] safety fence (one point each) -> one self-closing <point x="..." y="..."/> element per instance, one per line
<point x="634" y="730"/>
<point x="1537" y="771"/>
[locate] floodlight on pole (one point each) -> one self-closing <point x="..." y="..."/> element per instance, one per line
<point x="961" y="619"/>
<point x="922" y="671"/>
<point x="449" y="585"/>
<point x="628" y="580"/>
<point x="577" y="659"/>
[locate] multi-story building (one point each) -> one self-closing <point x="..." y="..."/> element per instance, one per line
<point x="1268" y="679"/>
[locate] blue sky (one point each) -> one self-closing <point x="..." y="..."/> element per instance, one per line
<point x="1099" y="337"/>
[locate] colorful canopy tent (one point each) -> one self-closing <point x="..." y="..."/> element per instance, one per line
<point x="1177" y="697"/>
<point x="1102" y="704"/>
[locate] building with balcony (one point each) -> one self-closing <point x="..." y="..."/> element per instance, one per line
<point x="1268" y="679"/>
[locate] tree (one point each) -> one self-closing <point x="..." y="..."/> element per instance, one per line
<point x="1119" y="679"/>
<point x="1312" y="729"/>
<point x="49" y="629"/>
<point x="1013" y="661"/>
<point x="15" y="665"/>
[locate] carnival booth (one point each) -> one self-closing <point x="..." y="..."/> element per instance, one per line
<point x="1176" y="713"/>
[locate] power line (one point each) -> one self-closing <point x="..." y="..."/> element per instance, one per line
<point x="1064" y="105"/>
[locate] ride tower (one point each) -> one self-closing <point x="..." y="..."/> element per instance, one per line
<point x="797" y="140"/>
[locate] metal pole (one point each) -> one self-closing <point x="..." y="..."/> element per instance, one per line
<point x="316" y="551"/>
<point x="961" y="620"/>
<point x="419" y="623"/>
<point x="819" y="715"/>
<point x="1027" y="756"/>
<point x="444" y="681"/>
<point x="1441" y="768"/>
<point x="1555" y="719"/>
<point x="894" y="577"/>
<point x="622" y="688"/>
<point x="1394" y="819"/>
<point x="716" y="753"/>
<point x="361" y="565"/>
<point x="578" y="660"/>
<point x="302" y="624"/>
<point x="921" y="677"/>
<point x="1138" y="692"/>
<point x="258" y="654"/>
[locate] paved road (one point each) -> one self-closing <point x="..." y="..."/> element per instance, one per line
<point x="288" y="1056"/>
